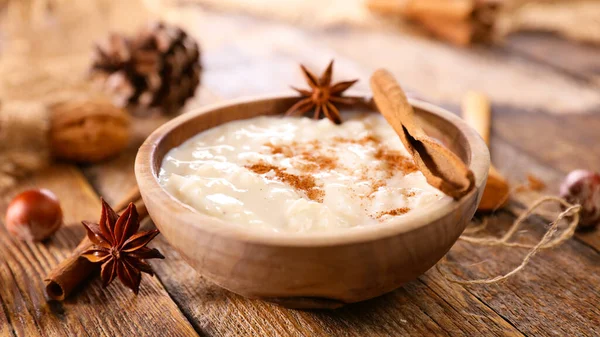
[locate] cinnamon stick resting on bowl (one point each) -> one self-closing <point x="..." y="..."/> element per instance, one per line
<point x="441" y="167"/>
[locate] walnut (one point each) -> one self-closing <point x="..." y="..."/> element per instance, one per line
<point x="88" y="130"/>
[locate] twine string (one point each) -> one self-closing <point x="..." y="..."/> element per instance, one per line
<point x="478" y="228"/>
<point x="503" y="241"/>
<point x="547" y="240"/>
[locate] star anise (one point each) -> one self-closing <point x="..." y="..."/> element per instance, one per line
<point x="120" y="247"/>
<point x="322" y="95"/>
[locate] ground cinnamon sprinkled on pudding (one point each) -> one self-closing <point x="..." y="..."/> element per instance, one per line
<point x="312" y="163"/>
<point x="395" y="161"/>
<point x="285" y="150"/>
<point x="297" y="175"/>
<point x="312" y="157"/>
<point x="362" y="141"/>
<point x="261" y="168"/>
<point x="393" y="212"/>
<point x="376" y="185"/>
<point x="305" y="154"/>
<point x="305" y="183"/>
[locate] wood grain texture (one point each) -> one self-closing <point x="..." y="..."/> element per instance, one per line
<point x="517" y="152"/>
<point x="204" y="303"/>
<point x="413" y="310"/>
<point x="556" y="295"/>
<point x="228" y="59"/>
<point x="446" y="73"/>
<point x="92" y="311"/>
<point x="529" y="299"/>
<point x="215" y="311"/>
<point x="507" y="63"/>
<point x="575" y="59"/>
<point x="519" y="160"/>
<point x="563" y="142"/>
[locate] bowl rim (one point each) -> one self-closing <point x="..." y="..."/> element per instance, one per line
<point x="147" y="179"/>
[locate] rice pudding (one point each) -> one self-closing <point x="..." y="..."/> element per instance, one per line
<point x="289" y="174"/>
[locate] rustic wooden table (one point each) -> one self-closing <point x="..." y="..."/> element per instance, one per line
<point x="546" y="95"/>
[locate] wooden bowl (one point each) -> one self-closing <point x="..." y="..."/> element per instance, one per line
<point x="313" y="270"/>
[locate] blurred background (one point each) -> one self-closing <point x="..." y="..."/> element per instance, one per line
<point x="538" y="55"/>
<point x="43" y="39"/>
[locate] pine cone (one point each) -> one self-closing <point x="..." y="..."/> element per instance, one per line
<point x="157" y="69"/>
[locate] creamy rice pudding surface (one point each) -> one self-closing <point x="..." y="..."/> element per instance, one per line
<point x="289" y="174"/>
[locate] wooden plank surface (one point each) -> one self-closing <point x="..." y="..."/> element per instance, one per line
<point x="544" y="123"/>
<point x="526" y="142"/>
<point x="430" y="305"/>
<point x="578" y="60"/>
<point x="205" y="303"/>
<point x="93" y="311"/>
<point x="420" y="310"/>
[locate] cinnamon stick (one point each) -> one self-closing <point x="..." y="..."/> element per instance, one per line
<point x="441" y="167"/>
<point x="453" y="10"/>
<point x="65" y="277"/>
<point x="387" y="7"/>
<point x="476" y="111"/>
<point x="460" y="33"/>
<point x="460" y="22"/>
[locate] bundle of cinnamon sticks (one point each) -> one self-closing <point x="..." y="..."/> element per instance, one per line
<point x="461" y="22"/>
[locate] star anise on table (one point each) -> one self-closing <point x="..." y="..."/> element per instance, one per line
<point x="120" y="247"/>
<point x="321" y="95"/>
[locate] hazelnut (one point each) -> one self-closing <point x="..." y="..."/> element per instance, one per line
<point x="583" y="187"/>
<point x="34" y="215"/>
